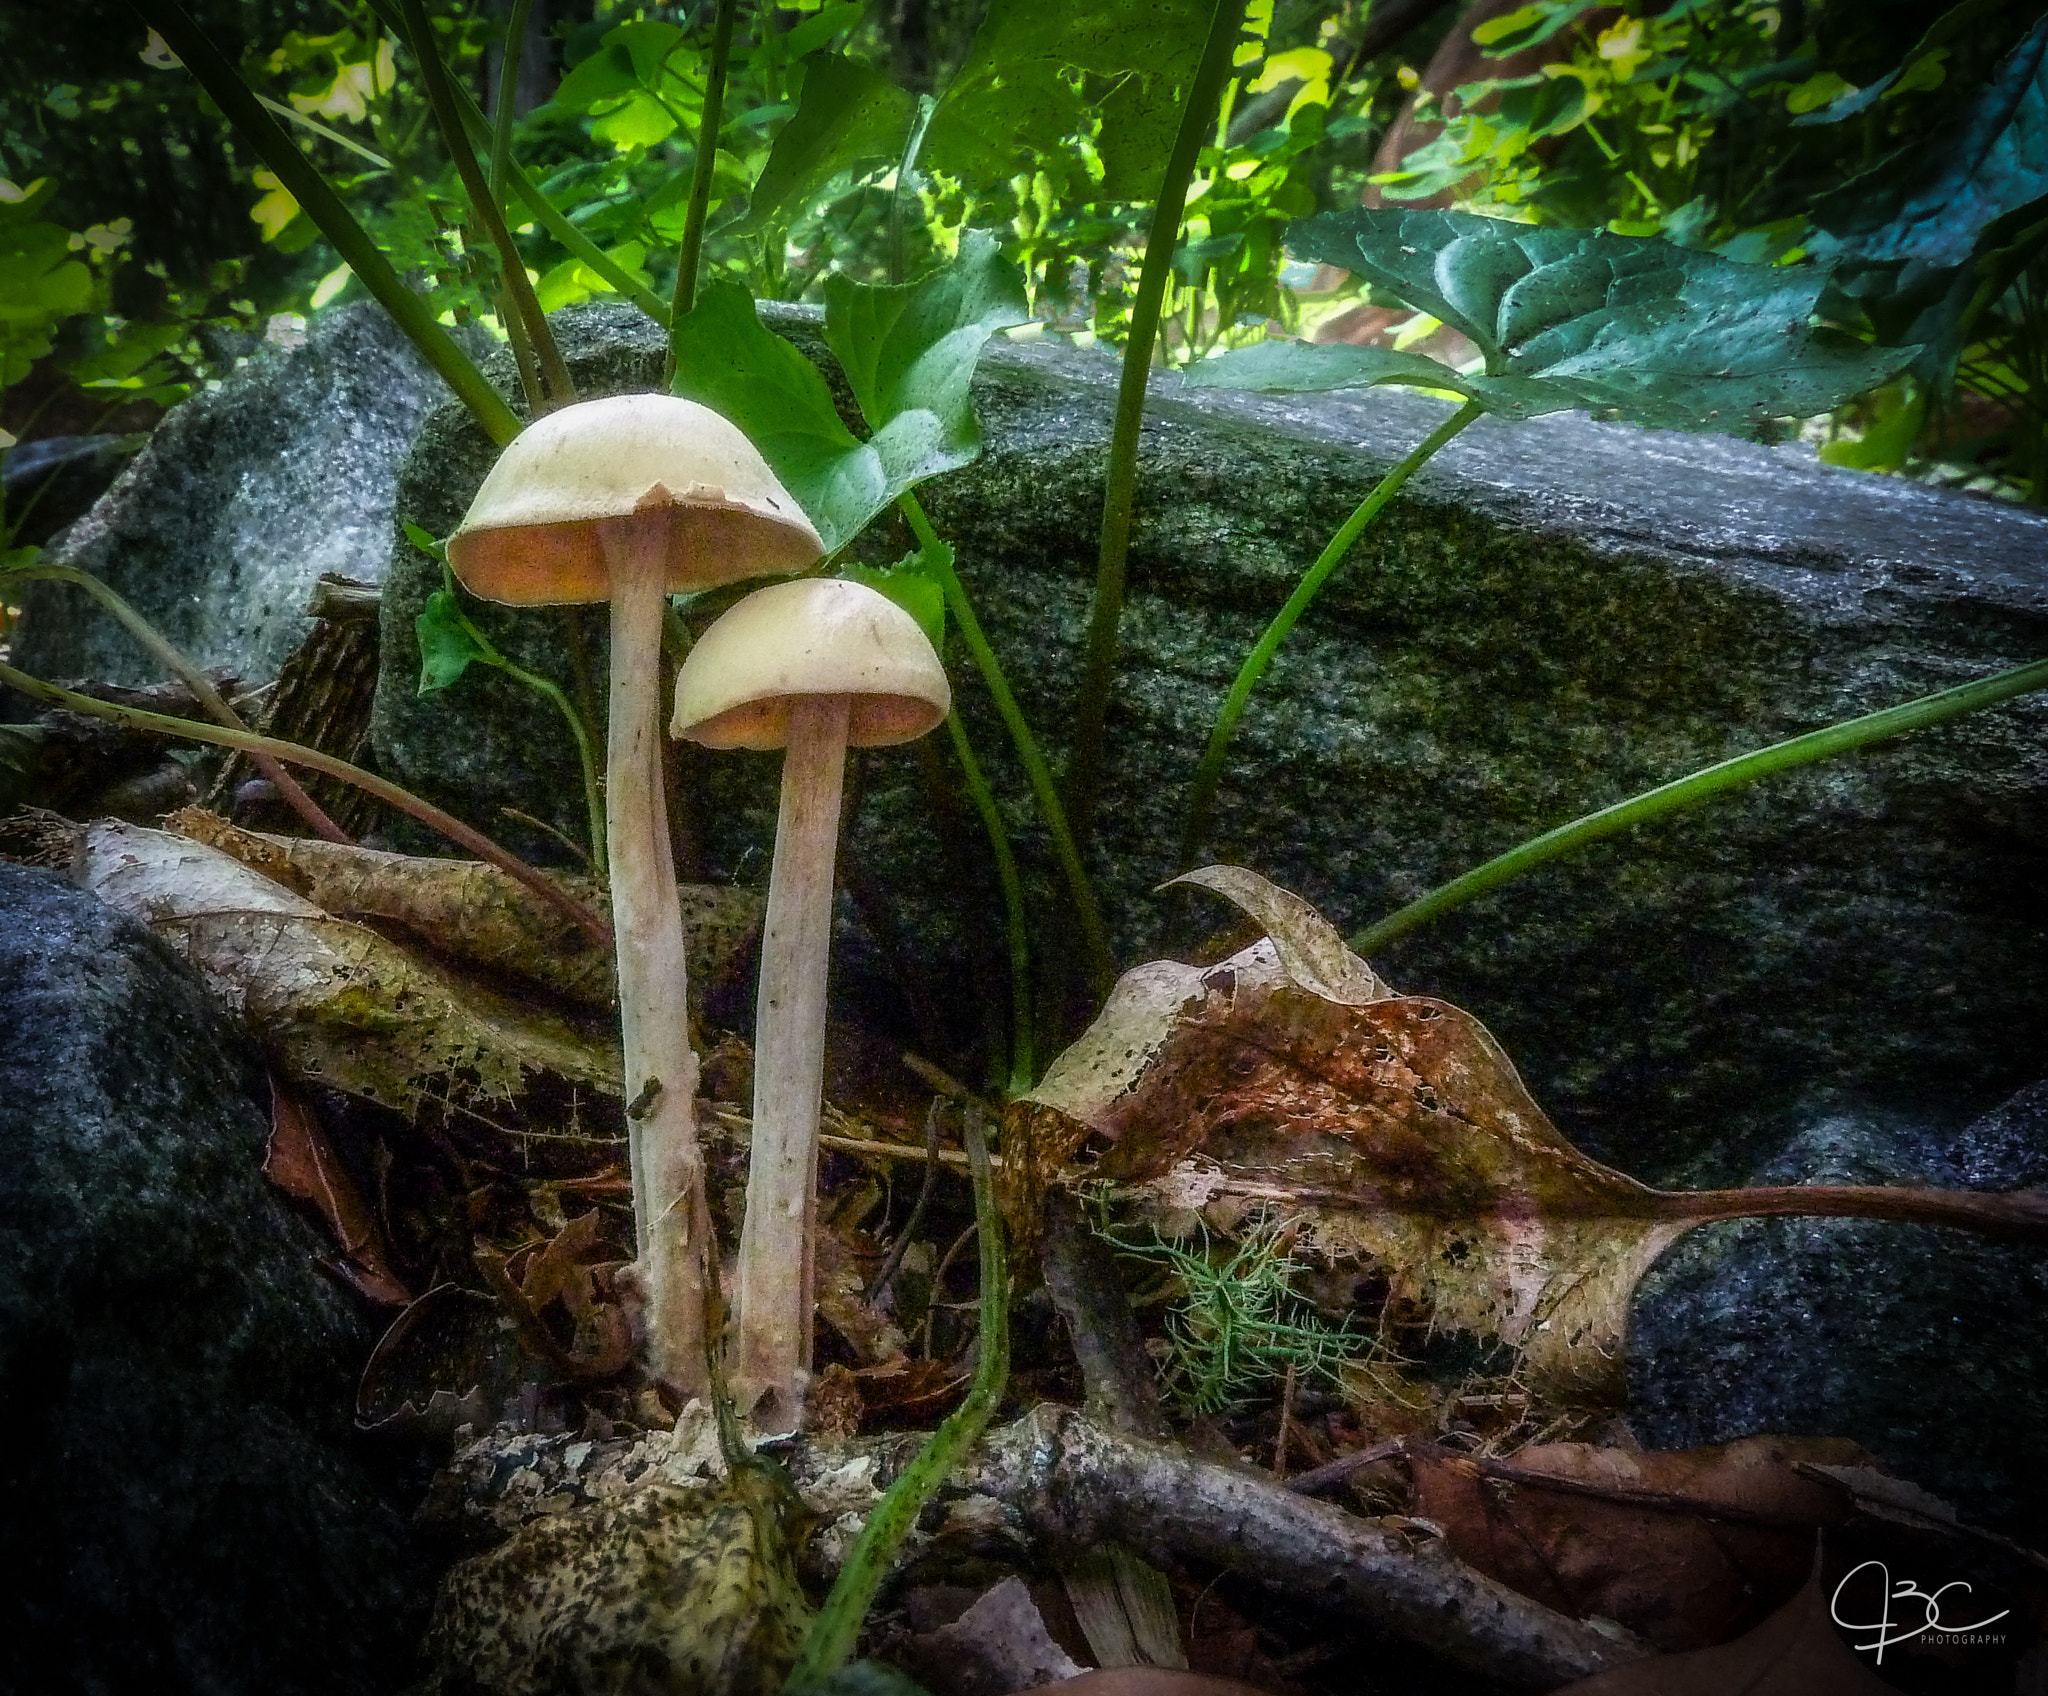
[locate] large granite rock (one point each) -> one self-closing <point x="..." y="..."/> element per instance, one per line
<point x="1928" y="1346"/>
<point x="244" y="496"/>
<point x="183" y="1505"/>
<point x="1554" y="615"/>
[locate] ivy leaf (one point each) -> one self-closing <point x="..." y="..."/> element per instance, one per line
<point x="847" y="116"/>
<point x="447" y="649"/>
<point x="909" y="354"/>
<point x="911" y="584"/>
<point x="909" y="350"/>
<point x="1625" y="326"/>
<point x="1016" y="100"/>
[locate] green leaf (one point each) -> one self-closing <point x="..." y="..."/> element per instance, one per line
<point x="815" y="31"/>
<point x="1015" y="101"/>
<point x="425" y="542"/>
<point x="910" y="583"/>
<point x="847" y="116"/>
<point x="1286" y="367"/>
<point x="1931" y="201"/>
<point x="909" y="350"/>
<point x="1528" y="26"/>
<point x="909" y="354"/>
<point x="447" y="649"/>
<point x="1626" y="326"/>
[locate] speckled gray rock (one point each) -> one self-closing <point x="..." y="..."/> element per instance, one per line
<point x="1928" y="1346"/>
<point x="1553" y="616"/>
<point x="183" y="1505"/>
<point x="244" y="496"/>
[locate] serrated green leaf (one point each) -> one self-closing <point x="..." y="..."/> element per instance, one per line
<point x="1282" y="367"/>
<point x="912" y="586"/>
<point x="1627" y="326"/>
<point x="447" y="649"/>
<point x="847" y="116"/>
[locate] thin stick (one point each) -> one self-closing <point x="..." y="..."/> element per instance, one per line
<point x="369" y="782"/>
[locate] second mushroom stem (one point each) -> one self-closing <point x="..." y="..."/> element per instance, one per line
<point x="670" y="1212"/>
<point x="777" y="1244"/>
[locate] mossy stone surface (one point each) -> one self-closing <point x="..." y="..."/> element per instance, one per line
<point x="1551" y="617"/>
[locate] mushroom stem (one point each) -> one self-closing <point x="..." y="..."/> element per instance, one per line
<point x="778" y="1240"/>
<point x="670" y="1214"/>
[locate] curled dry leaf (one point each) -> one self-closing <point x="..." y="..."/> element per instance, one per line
<point x="473" y="911"/>
<point x="1685" y="1548"/>
<point x="1397" y="1135"/>
<point x="337" y="1003"/>
<point x="301" y="1162"/>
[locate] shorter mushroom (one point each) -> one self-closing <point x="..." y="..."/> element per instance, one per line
<point x="811" y="667"/>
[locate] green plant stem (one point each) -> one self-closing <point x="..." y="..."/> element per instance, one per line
<point x="1023" y="1063"/>
<point x="554" y="373"/>
<point x="1094" y="935"/>
<point x="320" y="203"/>
<point x="1209" y="773"/>
<point x="1706" y="785"/>
<point x="586" y="746"/>
<point x="513" y="51"/>
<point x="833" y="1635"/>
<point x="691" y="253"/>
<point x="906" y="176"/>
<point x="369" y="782"/>
<point x="168" y="655"/>
<point x="1091" y="707"/>
<point x="543" y="209"/>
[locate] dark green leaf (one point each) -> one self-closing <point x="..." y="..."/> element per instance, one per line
<point x="821" y="27"/>
<point x="1282" y="367"/>
<point x="911" y="585"/>
<point x="446" y="646"/>
<point x="847" y="116"/>
<point x="1931" y="201"/>
<point x="1626" y="326"/>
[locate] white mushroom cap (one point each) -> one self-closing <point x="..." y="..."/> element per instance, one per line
<point x="530" y="536"/>
<point x="817" y="636"/>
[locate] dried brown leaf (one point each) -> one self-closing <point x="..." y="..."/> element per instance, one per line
<point x="336" y="1002"/>
<point x="1793" y="1653"/>
<point x="301" y="1162"/>
<point x="1394" y="1133"/>
<point x="1685" y="1548"/>
<point x="473" y="911"/>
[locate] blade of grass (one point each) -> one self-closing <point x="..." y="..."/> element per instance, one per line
<point x="1091" y="706"/>
<point x="833" y="1635"/>
<point x="311" y="190"/>
<point x="369" y="782"/>
<point x="1699" y="786"/>
<point x="1209" y="773"/>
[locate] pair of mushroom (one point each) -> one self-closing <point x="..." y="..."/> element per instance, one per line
<point x="628" y="500"/>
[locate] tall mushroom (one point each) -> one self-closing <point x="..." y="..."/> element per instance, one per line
<point x="809" y="667"/>
<point x="627" y="500"/>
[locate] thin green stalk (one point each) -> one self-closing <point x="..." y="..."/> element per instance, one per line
<point x="691" y="252"/>
<point x="544" y="210"/>
<point x="1706" y="785"/>
<point x="508" y="97"/>
<point x="320" y="203"/>
<point x="586" y="748"/>
<point x="369" y="782"/>
<point x="1094" y="935"/>
<point x="832" y="1636"/>
<point x="167" y="654"/>
<point x="906" y="176"/>
<point x="1091" y="707"/>
<point x="1023" y="1063"/>
<point x="485" y="205"/>
<point x="1210" y="772"/>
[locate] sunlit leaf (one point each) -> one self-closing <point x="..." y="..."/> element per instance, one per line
<point x="847" y="116"/>
<point x="1624" y="326"/>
